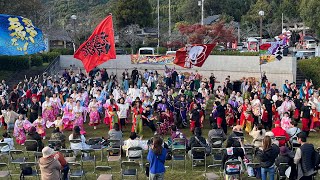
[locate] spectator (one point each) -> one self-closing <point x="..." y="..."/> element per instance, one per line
<point x="305" y="115"/>
<point x="216" y="132"/>
<point x="285" y="157"/>
<point x="304" y="158"/>
<point x="49" y="165"/>
<point x="133" y="141"/>
<point x="76" y="135"/>
<point x="293" y="131"/>
<point x="195" y="141"/>
<point x="33" y="135"/>
<point x="156" y="157"/>
<point x="176" y="133"/>
<point x="271" y="135"/>
<point x="236" y="132"/>
<point x="57" y="135"/>
<point x="267" y="155"/>
<point x="278" y="131"/>
<point x="115" y="133"/>
<point x="257" y="133"/>
<point x="6" y="138"/>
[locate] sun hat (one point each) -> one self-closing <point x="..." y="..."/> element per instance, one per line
<point x="47" y="151"/>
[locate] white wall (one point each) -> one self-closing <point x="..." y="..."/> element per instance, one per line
<point x="222" y="66"/>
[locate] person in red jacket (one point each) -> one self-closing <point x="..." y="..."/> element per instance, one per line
<point x="278" y="131"/>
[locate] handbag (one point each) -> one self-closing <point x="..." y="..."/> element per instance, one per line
<point x="207" y="148"/>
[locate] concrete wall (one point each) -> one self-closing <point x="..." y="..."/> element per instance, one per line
<point x="222" y="66"/>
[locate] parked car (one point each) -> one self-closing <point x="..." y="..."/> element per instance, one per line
<point x="310" y="44"/>
<point x="171" y="53"/>
<point x="306" y="54"/>
<point x="146" y="51"/>
<point x="121" y="52"/>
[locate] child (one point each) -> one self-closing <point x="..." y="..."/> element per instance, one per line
<point x="18" y="131"/>
<point x="40" y="126"/>
<point x="285" y="121"/>
<point x="59" y="123"/>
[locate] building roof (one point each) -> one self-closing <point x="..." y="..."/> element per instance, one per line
<point x="211" y="19"/>
<point x="57" y="34"/>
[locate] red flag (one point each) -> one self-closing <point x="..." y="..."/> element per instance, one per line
<point x="100" y="46"/>
<point x="193" y="55"/>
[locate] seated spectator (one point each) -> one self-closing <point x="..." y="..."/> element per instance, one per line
<point x="257" y="133"/>
<point x="267" y="155"/>
<point x="293" y="131"/>
<point x="49" y="165"/>
<point x="195" y="141"/>
<point x="216" y="132"/>
<point x="6" y="138"/>
<point x="285" y="157"/>
<point x="273" y="140"/>
<point x="278" y="131"/>
<point x="115" y="133"/>
<point x="176" y="133"/>
<point x="232" y="153"/>
<point x="236" y="132"/>
<point x="77" y="135"/>
<point x="57" y="135"/>
<point x="33" y="135"/>
<point x="133" y="141"/>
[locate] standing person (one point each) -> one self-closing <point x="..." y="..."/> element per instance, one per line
<point x="19" y="131"/>
<point x="94" y="114"/>
<point x="123" y="111"/>
<point x="305" y="158"/>
<point x="78" y="112"/>
<point x="305" y="115"/>
<point x="267" y="104"/>
<point x="267" y="155"/>
<point x="137" y="124"/>
<point x="212" y="81"/>
<point x="40" y="125"/>
<point x="194" y="117"/>
<point x="157" y="158"/>
<point x="13" y="98"/>
<point x="134" y="75"/>
<point x="34" y="109"/>
<point x="9" y="118"/>
<point x="48" y="111"/>
<point x="181" y="112"/>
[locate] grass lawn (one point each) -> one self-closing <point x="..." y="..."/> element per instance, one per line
<point x="178" y="171"/>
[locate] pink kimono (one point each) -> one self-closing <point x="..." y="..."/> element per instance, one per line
<point x="67" y="117"/>
<point x="94" y="114"/>
<point x="79" y="118"/>
<point x="285" y="123"/>
<point x="19" y="132"/>
<point x="40" y="126"/>
<point x="47" y="111"/>
<point x="56" y="104"/>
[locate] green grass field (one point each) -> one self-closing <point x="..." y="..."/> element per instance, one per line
<point x="178" y="171"/>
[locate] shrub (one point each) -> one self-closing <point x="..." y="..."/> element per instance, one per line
<point x="36" y="60"/>
<point x="13" y="63"/>
<point x="49" y="56"/>
<point x="162" y="50"/>
<point x="63" y="51"/>
<point x="234" y="53"/>
<point x="310" y="68"/>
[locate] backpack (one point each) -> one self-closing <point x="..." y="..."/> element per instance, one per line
<point x="316" y="162"/>
<point x="25" y="171"/>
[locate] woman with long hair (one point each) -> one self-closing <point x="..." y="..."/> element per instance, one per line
<point x="267" y="155"/>
<point x="157" y="158"/>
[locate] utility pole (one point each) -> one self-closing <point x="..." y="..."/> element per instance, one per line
<point x="158" y="9"/>
<point x="169" y="22"/>
<point x="202" y="12"/>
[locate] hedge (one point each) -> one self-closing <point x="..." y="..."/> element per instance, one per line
<point x="311" y="69"/>
<point x="63" y="51"/>
<point x="36" y="60"/>
<point x="49" y="56"/>
<point x="234" y="53"/>
<point x="13" y="63"/>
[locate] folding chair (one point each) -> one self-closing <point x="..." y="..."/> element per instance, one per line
<point x="37" y="156"/>
<point x="88" y="156"/>
<point x="233" y="163"/>
<point x="76" y="170"/>
<point x="31" y="143"/>
<point x="129" y="169"/>
<point x="101" y="169"/>
<point x="68" y="155"/>
<point x="179" y="155"/>
<point x="138" y="158"/>
<point x="216" y="142"/>
<point x="254" y="166"/>
<point x="216" y="155"/>
<point x="282" y="166"/>
<point x="15" y="157"/>
<point x="113" y="155"/>
<point x="179" y="143"/>
<point x="280" y="138"/>
<point x="57" y="143"/>
<point x="33" y="166"/>
<point x="4" y="154"/>
<point x="198" y="154"/>
<point x="249" y="152"/>
<point x="5" y="171"/>
<point x="96" y="147"/>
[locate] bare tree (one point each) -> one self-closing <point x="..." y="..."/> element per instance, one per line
<point x="129" y="35"/>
